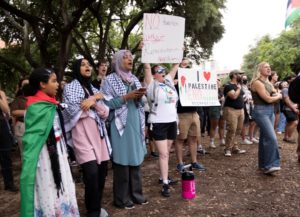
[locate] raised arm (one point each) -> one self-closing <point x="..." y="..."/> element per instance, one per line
<point x="174" y="70"/>
<point x="148" y="75"/>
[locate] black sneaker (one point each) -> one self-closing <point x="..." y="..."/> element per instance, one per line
<point x="170" y="180"/>
<point x="154" y="154"/>
<point x="165" y="191"/>
<point x="11" y="188"/>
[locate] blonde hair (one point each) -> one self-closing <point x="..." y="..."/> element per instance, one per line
<point x="257" y="73"/>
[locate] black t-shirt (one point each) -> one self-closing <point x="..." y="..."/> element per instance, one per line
<point x="237" y="103"/>
<point x="96" y="83"/>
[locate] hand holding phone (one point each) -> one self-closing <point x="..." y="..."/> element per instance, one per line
<point x="142" y="89"/>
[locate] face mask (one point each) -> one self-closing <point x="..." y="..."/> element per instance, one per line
<point x="245" y="81"/>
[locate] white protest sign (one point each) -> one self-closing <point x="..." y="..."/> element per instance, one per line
<point x="163" y="37"/>
<point x="197" y="87"/>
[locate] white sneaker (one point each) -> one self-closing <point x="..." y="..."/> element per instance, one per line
<point x="272" y="170"/>
<point x="246" y="142"/>
<point x="227" y="153"/>
<point x="212" y="145"/>
<point x="222" y="142"/>
<point x="254" y="140"/>
<point x="103" y="213"/>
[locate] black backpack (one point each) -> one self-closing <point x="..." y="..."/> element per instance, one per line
<point x="294" y="90"/>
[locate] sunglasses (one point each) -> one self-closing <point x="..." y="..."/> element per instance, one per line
<point x="160" y="70"/>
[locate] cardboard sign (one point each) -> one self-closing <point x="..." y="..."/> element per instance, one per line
<point x="197" y="87"/>
<point x="163" y="37"/>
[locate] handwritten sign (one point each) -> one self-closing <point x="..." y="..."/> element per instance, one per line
<point x="163" y="37"/>
<point x="197" y="87"/>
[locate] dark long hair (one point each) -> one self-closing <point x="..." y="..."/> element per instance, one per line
<point x="38" y="75"/>
<point x="84" y="81"/>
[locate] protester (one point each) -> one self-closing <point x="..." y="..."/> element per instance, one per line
<point x="247" y="111"/>
<point x="273" y="78"/>
<point x="127" y="125"/>
<point x="18" y="110"/>
<point x="84" y="116"/>
<point x="189" y="130"/>
<point x="102" y="70"/>
<point x="6" y="144"/>
<point x="264" y="97"/>
<point x="47" y="187"/>
<point x="148" y="140"/>
<point x="162" y="98"/>
<point x="216" y="119"/>
<point x="291" y="112"/>
<point x="233" y="112"/>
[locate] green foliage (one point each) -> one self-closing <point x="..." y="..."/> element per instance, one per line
<point x="60" y="31"/>
<point x="282" y="53"/>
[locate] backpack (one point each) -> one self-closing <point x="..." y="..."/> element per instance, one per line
<point x="294" y="90"/>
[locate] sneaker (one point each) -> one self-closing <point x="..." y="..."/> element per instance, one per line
<point x="103" y="213"/>
<point x="202" y="150"/>
<point x="246" y="142"/>
<point x="239" y="151"/>
<point x="129" y="206"/>
<point x="165" y="191"/>
<point x="170" y="181"/>
<point x="272" y="170"/>
<point x="180" y="167"/>
<point x="254" y="140"/>
<point x="11" y="188"/>
<point x="154" y="154"/>
<point x="222" y="142"/>
<point x="291" y="141"/>
<point x="227" y="153"/>
<point x="212" y="145"/>
<point x="198" y="166"/>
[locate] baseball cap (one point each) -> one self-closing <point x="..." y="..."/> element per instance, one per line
<point x="235" y="72"/>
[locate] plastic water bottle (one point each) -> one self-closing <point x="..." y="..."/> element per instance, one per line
<point x="188" y="183"/>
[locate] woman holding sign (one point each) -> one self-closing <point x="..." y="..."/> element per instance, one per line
<point x="162" y="98"/>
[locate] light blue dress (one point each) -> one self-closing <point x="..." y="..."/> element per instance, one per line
<point x="128" y="149"/>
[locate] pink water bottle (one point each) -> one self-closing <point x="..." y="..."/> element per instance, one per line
<point x="188" y="185"/>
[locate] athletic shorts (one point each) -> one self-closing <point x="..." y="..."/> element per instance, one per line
<point x="290" y="116"/>
<point x="214" y="112"/>
<point x="163" y="131"/>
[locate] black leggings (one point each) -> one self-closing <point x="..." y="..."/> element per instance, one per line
<point x="94" y="176"/>
<point x="6" y="168"/>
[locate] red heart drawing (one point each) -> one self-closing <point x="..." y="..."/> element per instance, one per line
<point x="182" y="79"/>
<point x="206" y="75"/>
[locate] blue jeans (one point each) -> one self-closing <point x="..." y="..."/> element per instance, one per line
<point x="282" y="123"/>
<point x="268" y="154"/>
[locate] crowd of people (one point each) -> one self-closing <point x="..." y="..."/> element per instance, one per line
<point x="102" y="120"/>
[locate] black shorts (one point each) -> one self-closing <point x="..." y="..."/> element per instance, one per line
<point x="290" y="116"/>
<point x="163" y="131"/>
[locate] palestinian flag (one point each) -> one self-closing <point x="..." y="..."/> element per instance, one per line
<point x="292" y="12"/>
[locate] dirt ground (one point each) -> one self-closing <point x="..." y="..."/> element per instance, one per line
<point x="230" y="187"/>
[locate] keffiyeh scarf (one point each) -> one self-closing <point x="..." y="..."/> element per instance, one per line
<point x="113" y="86"/>
<point x="72" y="97"/>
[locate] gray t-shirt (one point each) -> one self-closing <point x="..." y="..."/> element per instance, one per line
<point x="285" y="94"/>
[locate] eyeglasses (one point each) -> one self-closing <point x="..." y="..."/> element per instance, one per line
<point x="161" y="70"/>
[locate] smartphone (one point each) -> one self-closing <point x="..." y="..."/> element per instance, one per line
<point x="142" y="89"/>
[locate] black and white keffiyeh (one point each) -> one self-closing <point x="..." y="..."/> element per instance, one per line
<point x="112" y="87"/>
<point x="73" y="95"/>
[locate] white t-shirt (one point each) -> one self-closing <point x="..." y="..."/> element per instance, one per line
<point x="165" y="102"/>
